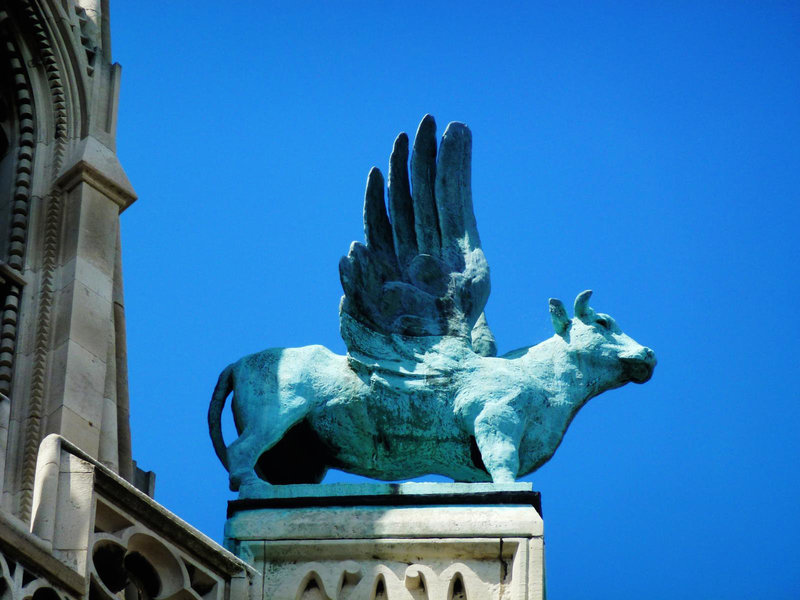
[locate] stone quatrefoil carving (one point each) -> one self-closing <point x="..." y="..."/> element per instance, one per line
<point x="17" y="583"/>
<point x="420" y="389"/>
<point x="133" y="561"/>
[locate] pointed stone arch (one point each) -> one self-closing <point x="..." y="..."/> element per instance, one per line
<point x="311" y="588"/>
<point x="457" y="591"/>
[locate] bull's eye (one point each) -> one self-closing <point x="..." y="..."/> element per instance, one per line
<point x="603" y="323"/>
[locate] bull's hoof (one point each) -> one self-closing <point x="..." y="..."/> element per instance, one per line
<point x="239" y="480"/>
<point x="254" y="488"/>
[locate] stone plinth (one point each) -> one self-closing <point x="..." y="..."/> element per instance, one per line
<point x="437" y="541"/>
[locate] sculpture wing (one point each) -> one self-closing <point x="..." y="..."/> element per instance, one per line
<point x="421" y="271"/>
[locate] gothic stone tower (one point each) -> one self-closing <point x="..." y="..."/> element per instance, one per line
<point x="76" y="516"/>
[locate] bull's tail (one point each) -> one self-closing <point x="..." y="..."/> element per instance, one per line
<point x="224" y="387"/>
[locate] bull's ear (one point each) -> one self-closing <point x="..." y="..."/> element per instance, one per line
<point x="582" y="309"/>
<point x="558" y="314"/>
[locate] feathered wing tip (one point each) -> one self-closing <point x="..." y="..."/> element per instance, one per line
<point x="421" y="270"/>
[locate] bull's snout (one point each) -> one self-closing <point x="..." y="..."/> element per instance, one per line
<point x="638" y="366"/>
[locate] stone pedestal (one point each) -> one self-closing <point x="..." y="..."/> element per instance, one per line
<point x="436" y="541"/>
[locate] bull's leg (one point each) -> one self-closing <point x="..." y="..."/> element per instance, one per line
<point x="242" y="457"/>
<point x="258" y="437"/>
<point x="498" y="434"/>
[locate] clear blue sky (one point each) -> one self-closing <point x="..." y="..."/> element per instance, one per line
<point x="647" y="151"/>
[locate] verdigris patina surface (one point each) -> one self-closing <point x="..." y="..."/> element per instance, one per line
<point x="420" y="390"/>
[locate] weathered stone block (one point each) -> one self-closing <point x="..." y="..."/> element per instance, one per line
<point x="400" y="542"/>
<point x="72" y="526"/>
<point x="82" y="384"/>
<point x="84" y="317"/>
<point x="80" y="269"/>
<point x="90" y="228"/>
<point x="75" y="428"/>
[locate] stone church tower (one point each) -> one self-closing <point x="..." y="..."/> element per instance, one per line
<point x="77" y="517"/>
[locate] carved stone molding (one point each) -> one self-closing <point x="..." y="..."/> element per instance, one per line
<point x="408" y="570"/>
<point x="89" y="36"/>
<point x="39" y="60"/>
<point x="47" y="54"/>
<point x="24" y="141"/>
<point x="44" y="319"/>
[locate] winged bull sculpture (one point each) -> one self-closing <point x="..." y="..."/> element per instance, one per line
<point x="420" y="390"/>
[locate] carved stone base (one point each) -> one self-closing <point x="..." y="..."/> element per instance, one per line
<point x="435" y="541"/>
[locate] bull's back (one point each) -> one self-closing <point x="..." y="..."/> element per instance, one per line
<point x="266" y="380"/>
<point x="396" y="429"/>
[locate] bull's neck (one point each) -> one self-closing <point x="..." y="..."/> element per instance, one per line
<point x="566" y="386"/>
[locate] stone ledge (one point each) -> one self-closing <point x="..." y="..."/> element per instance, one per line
<point x="25" y="548"/>
<point x="389" y="494"/>
<point x="139" y="505"/>
<point x="376" y="522"/>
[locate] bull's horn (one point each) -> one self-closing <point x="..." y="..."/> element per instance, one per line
<point x="582" y="304"/>
<point x="558" y="314"/>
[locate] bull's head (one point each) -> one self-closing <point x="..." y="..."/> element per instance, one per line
<point x="596" y="339"/>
